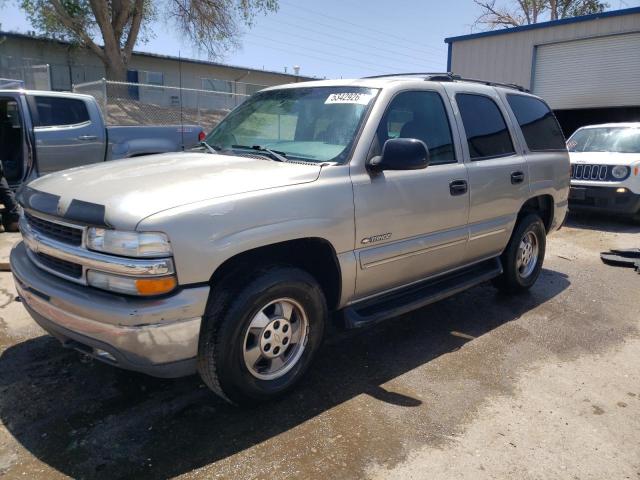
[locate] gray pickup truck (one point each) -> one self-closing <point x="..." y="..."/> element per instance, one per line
<point x="43" y="132"/>
<point x="351" y="200"/>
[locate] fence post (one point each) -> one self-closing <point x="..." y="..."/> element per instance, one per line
<point x="104" y="99"/>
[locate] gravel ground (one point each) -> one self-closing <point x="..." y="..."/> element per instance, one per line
<point x="543" y="385"/>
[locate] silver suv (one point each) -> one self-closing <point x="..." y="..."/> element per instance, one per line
<point x="363" y="199"/>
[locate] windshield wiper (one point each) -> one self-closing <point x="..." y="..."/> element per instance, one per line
<point x="275" y="154"/>
<point x="211" y="149"/>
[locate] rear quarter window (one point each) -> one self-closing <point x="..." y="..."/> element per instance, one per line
<point x="56" y="111"/>
<point x="539" y="126"/>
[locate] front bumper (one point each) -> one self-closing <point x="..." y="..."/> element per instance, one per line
<point x="157" y="336"/>
<point x="603" y="199"/>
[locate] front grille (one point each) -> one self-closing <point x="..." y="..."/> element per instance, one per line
<point x="590" y="172"/>
<point x="56" y="231"/>
<point x="595" y="172"/>
<point x="61" y="266"/>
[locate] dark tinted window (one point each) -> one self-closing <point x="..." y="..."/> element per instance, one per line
<point x="419" y="115"/>
<point x="60" y="111"/>
<point x="487" y="133"/>
<point x="539" y="126"/>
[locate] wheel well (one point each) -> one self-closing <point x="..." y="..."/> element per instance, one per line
<point x="541" y="205"/>
<point x="314" y="255"/>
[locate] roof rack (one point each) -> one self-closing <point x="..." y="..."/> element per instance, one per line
<point x="412" y="74"/>
<point x="450" y="77"/>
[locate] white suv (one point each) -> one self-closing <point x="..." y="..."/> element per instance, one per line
<point x="605" y="168"/>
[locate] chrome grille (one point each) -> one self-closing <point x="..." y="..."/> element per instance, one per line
<point x="57" y="231"/>
<point x="590" y="172"/>
<point x="61" y="266"/>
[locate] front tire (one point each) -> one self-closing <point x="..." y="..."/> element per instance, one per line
<point x="259" y="338"/>
<point x="523" y="258"/>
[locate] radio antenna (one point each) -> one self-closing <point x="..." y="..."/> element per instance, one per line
<point x="180" y="84"/>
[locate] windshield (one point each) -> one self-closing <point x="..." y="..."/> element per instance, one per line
<point x="317" y="124"/>
<point x="605" y="139"/>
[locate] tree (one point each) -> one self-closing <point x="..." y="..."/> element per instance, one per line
<point x="526" y="12"/>
<point x="212" y="26"/>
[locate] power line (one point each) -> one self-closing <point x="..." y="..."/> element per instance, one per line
<point x="353" y="59"/>
<point x="326" y="60"/>
<point x="363" y="27"/>
<point x="368" y="45"/>
<point x="351" y="49"/>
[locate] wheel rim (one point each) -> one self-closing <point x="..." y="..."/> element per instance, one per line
<point x="527" y="256"/>
<point x="275" y="339"/>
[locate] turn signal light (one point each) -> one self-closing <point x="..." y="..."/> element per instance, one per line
<point x="155" y="286"/>
<point x="636" y="171"/>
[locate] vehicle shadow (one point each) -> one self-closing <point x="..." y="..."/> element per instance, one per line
<point x="602" y="222"/>
<point x="90" y="420"/>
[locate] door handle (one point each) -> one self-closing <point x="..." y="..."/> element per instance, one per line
<point x="87" y="138"/>
<point x="517" y="177"/>
<point x="458" y="187"/>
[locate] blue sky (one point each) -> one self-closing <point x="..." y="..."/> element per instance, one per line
<point x="333" y="38"/>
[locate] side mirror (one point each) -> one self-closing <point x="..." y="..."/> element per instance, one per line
<point x="401" y="154"/>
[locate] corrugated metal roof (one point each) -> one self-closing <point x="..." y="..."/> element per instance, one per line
<point x="157" y="55"/>
<point x="564" y="21"/>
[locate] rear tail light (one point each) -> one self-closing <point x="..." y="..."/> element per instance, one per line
<point x="201" y="136"/>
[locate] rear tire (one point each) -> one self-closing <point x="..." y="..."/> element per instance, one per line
<point x="522" y="259"/>
<point x="258" y="338"/>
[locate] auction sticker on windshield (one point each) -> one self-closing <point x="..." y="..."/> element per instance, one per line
<point x="349" y="97"/>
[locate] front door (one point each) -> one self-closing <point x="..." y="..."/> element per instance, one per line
<point x="497" y="173"/>
<point x="411" y="224"/>
<point x="12" y="139"/>
<point x="66" y="133"/>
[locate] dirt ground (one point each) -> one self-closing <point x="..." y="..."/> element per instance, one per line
<point x="479" y="386"/>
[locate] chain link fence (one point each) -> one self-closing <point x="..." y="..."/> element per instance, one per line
<point x="33" y="77"/>
<point x="125" y="103"/>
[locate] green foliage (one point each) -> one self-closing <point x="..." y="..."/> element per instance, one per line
<point x="45" y="20"/>
<point x="212" y="26"/>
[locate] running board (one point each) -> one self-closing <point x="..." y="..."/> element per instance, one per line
<point x="419" y="295"/>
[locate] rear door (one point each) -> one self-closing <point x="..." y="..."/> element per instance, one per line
<point x="498" y="180"/>
<point x="68" y="132"/>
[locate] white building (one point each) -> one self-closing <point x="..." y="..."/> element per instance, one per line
<point x="587" y="68"/>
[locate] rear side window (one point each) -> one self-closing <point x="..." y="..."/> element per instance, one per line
<point x="487" y="133"/>
<point x="539" y="126"/>
<point x="55" y="111"/>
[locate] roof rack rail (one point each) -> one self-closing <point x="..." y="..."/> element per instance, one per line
<point x="449" y="77"/>
<point x="411" y="74"/>
<point x="493" y="84"/>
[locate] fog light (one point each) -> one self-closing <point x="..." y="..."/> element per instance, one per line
<point x="621" y="190"/>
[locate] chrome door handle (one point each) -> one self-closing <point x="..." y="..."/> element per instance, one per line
<point x="87" y="138"/>
<point x="458" y="187"/>
<point x="517" y="177"/>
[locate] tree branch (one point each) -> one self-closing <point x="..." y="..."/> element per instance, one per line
<point x="76" y="28"/>
<point x="138" y="12"/>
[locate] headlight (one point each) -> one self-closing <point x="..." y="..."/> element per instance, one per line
<point x="620" y="171"/>
<point x="128" y="244"/>
<point x="131" y="285"/>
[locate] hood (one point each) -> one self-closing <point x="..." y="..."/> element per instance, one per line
<point x="604" y="158"/>
<point x="124" y="192"/>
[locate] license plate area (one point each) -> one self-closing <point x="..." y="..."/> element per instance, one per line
<point x="577" y="193"/>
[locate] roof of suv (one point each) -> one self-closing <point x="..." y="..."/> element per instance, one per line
<point x="384" y="80"/>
